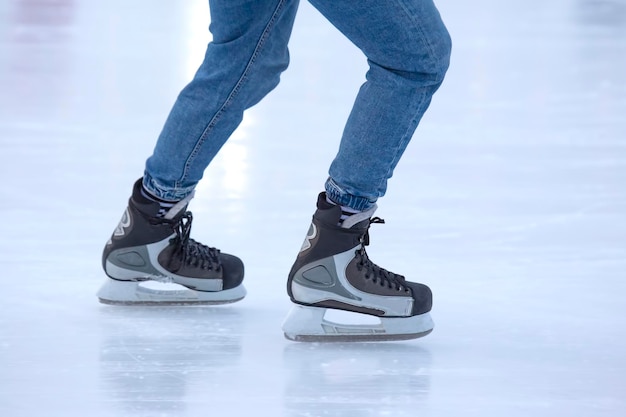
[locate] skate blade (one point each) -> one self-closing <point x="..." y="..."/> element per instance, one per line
<point x="307" y="324"/>
<point x="129" y="293"/>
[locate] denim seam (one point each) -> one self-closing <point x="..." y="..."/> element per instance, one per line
<point x="420" y="30"/>
<point x="406" y="137"/>
<point x="234" y="91"/>
<point x="404" y="142"/>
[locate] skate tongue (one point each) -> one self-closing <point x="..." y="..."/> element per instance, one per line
<point x="178" y="207"/>
<point x="359" y="217"/>
<point x="332" y="213"/>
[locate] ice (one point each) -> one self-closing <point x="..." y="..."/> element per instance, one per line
<point x="510" y="203"/>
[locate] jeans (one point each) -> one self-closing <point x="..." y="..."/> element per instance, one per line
<point x="408" y="52"/>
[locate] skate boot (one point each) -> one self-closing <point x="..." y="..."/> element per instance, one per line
<point x="152" y="246"/>
<point x="333" y="271"/>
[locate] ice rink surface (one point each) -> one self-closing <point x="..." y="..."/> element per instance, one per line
<point x="510" y="203"/>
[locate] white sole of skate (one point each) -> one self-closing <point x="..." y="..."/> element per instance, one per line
<point x="307" y="324"/>
<point x="138" y="293"/>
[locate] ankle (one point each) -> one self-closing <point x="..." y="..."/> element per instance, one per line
<point x="346" y="211"/>
<point x="164" y="206"/>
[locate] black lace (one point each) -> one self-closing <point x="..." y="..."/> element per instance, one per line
<point x="377" y="274"/>
<point x="188" y="251"/>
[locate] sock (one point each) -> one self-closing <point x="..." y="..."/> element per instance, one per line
<point x="345" y="211"/>
<point x="164" y="206"/>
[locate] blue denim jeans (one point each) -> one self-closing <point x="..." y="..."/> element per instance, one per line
<point x="408" y="51"/>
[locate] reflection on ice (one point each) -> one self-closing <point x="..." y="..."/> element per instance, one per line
<point x="364" y="379"/>
<point x="150" y="356"/>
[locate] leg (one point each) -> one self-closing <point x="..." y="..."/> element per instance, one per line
<point x="152" y="241"/>
<point x="408" y="49"/>
<point x="242" y="64"/>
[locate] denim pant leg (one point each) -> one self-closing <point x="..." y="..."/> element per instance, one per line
<point x="242" y="64"/>
<point x="408" y="51"/>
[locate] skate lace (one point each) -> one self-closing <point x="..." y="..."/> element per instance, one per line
<point x="374" y="272"/>
<point x="187" y="251"/>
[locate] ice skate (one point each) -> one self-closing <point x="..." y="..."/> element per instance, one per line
<point x="147" y="247"/>
<point x="333" y="271"/>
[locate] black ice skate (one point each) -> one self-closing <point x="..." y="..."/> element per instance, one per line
<point x="333" y="271"/>
<point x="147" y="247"/>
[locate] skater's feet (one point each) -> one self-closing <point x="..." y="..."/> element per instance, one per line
<point x="334" y="271"/>
<point x="151" y="243"/>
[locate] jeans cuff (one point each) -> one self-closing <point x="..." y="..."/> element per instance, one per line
<point x="339" y="196"/>
<point x="163" y="191"/>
